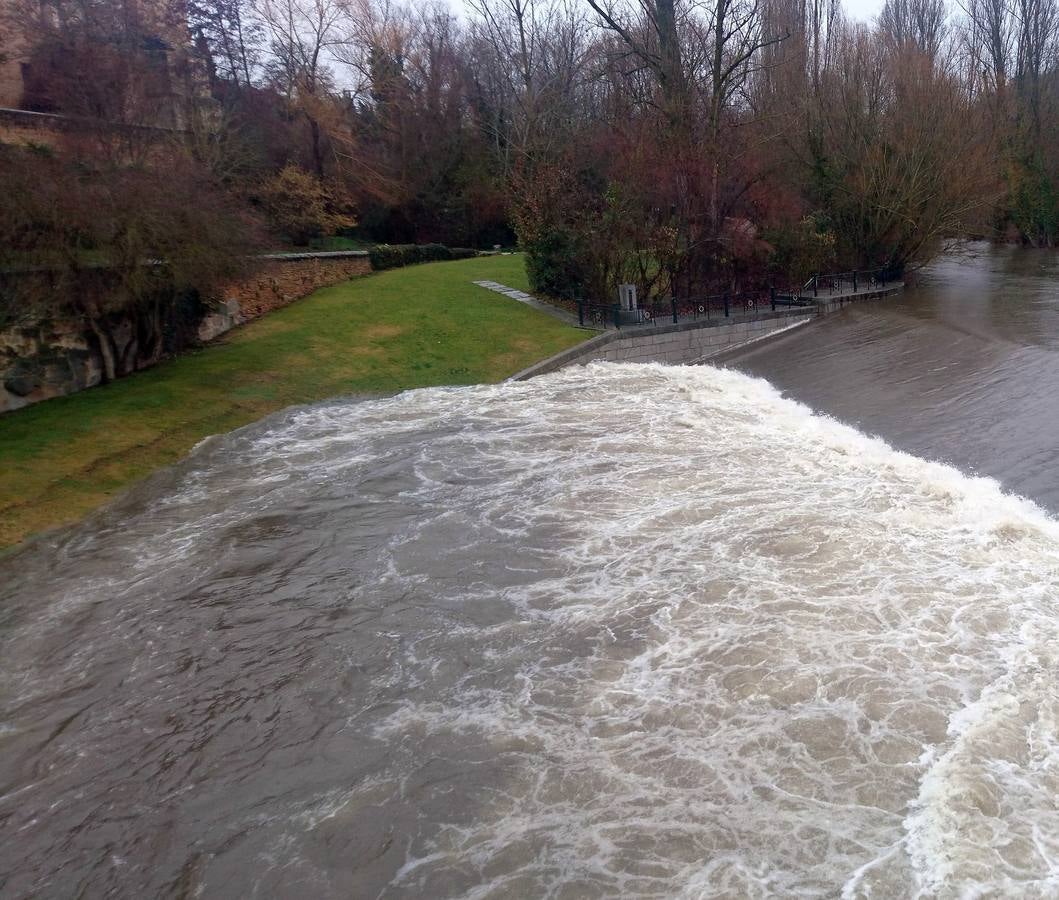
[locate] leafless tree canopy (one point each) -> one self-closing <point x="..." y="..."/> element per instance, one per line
<point x="687" y="145"/>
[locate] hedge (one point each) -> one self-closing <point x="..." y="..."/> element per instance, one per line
<point x="393" y="256"/>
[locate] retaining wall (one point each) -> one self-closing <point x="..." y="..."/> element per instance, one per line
<point x="680" y="343"/>
<point x="695" y="341"/>
<point x="55" y="358"/>
<point x="825" y="304"/>
<point x="278" y="280"/>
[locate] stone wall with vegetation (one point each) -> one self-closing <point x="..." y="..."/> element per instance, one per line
<point x="280" y="279"/>
<point x="52" y="358"/>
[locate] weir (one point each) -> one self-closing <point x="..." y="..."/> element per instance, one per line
<point x="684" y="343"/>
<point x="503" y="638"/>
<point x="700" y="329"/>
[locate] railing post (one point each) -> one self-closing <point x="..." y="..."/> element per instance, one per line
<point x="673" y="304"/>
<point x="726" y="309"/>
<point x="581" y="313"/>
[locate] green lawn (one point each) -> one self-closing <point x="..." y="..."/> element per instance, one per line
<point x="405" y="328"/>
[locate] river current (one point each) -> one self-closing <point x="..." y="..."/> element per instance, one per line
<point x="961" y="367"/>
<point x="620" y="630"/>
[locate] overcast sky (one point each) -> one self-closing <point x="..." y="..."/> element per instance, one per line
<point x="865" y="10"/>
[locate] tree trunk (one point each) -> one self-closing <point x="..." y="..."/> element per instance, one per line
<point x="671" y="73"/>
<point x="318" y="154"/>
<point x="106" y="349"/>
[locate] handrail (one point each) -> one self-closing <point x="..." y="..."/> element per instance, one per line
<point x="835" y="280"/>
<point x="721" y="306"/>
<point x="675" y="309"/>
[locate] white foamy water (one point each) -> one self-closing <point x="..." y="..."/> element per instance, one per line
<point x="629" y="630"/>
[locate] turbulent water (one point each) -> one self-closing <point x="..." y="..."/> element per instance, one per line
<point x="963" y="367"/>
<point x="627" y="630"/>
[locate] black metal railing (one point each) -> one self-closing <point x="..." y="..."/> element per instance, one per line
<point x="742" y="304"/>
<point x="678" y="309"/>
<point x="845" y="283"/>
<point x="707" y="306"/>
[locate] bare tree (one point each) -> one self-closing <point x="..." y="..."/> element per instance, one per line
<point x="1036" y="29"/>
<point x="907" y="162"/>
<point x="914" y="24"/>
<point x="230" y="35"/>
<point x="303" y="36"/>
<point x="649" y="32"/>
<point x="991" y="30"/>
<point x="532" y="54"/>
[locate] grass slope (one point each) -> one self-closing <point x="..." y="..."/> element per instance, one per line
<point x="405" y="328"/>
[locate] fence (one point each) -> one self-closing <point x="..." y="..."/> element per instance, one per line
<point x="843" y="284"/>
<point x="744" y="304"/>
<point x="679" y="309"/>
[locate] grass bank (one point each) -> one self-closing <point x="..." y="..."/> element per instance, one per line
<point x="406" y="328"/>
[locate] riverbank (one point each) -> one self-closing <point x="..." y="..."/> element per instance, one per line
<point x="406" y="328"/>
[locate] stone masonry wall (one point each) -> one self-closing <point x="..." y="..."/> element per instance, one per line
<point x="281" y="279"/>
<point x="51" y="359"/>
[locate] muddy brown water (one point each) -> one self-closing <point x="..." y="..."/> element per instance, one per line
<point x="963" y="367"/>
<point x="617" y="631"/>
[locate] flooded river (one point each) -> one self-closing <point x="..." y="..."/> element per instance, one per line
<point x="964" y="367"/>
<point x="621" y="630"/>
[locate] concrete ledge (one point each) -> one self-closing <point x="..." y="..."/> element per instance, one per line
<point x="733" y="350"/>
<point x="680" y="342"/>
<point x="830" y="304"/>
<point x="321" y="254"/>
<point x="696" y="340"/>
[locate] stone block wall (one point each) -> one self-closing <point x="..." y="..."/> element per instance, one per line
<point x="285" y="277"/>
<point x="675" y="344"/>
<point x="13" y="40"/>
<point x="827" y="304"/>
<point x="54" y="358"/>
<point x="280" y="279"/>
<point x="21" y="128"/>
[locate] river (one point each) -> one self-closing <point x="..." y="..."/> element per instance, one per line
<point x="620" y="630"/>
<point x="963" y="367"/>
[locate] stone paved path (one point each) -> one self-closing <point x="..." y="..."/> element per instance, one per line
<point x="529" y="300"/>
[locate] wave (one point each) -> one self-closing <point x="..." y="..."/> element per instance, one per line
<point x="622" y="629"/>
